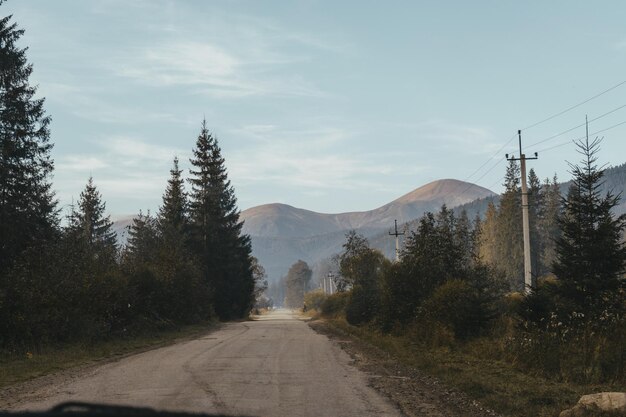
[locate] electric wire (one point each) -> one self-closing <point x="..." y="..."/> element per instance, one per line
<point x="582" y="137"/>
<point x="546" y="139"/>
<point x="574" y="106"/>
<point x="574" y="128"/>
<point x="489" y="160"/>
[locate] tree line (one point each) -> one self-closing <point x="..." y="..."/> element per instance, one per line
<point x="460" y="281"/>
<point x="71" y="280"/>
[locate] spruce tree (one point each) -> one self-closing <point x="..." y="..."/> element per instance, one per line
<point x="509" y="238"/>
<point x="143" y="239"/>
<point x="224" y="251"/>
<point x="28" y="214"/>
<point x="173" y="214"/>
<point x="487" y="237"/>
<point x="591" y="256"/>
<point x="535" y="212"/>
<point x="548" y="226"/>
<point x="90" y="222"/>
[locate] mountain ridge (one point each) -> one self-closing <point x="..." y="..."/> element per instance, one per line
<point x="282" y="234"/>
<point x="283" y="220"/>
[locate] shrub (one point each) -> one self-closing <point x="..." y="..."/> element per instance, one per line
<point x="361" y="305"/>
<point x="313" y="300"/>
<point x="459" y="306"/>
<point x="335" y="304"/>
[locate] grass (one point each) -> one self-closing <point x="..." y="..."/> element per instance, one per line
<point x="16" y="367"/>
<point x="494" y="383"/>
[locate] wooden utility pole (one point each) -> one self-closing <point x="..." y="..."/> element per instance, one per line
<point x="396" y="234"/>
<point x="528" y="276"/>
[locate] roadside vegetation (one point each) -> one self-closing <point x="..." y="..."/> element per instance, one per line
<point x="454" y="304"/>
<point x="67" y="281"/>
<point x="54" y="358"/>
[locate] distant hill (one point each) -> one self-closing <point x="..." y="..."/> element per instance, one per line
<point x="281" y="220"/>
<point x="614" y="181"/>
<point x="282" y="234"/>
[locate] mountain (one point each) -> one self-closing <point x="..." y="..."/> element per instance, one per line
<point x="614" y="181"/>
<point x="281" y="220"/>
<point x="282" y="234"/>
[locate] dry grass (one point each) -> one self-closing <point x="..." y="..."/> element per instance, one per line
<point x="496" y="384"/>
<point x="18" y="367"/>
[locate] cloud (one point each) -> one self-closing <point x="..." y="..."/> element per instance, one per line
<point x="441" y="135"/>
<point x="130" y="151"/>
<point x="123" y="167"/>
<point x="213" y="71"/>
<point x="82" y="163"/>
<point x="311" y="160"/>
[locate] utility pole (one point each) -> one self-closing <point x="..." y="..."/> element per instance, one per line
<point x="396" y="234"/>
<point x="330" y="283"/>
<point x="528" y="276"/>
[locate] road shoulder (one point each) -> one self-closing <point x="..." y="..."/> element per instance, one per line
<point x="413" y="392"/>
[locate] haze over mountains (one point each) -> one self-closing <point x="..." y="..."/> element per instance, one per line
<point x="282" y="234"/>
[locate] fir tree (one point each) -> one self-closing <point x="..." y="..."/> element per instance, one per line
<point x="488" y="235"/>
<point x="143" y="239"/>
<point x="509" y="238"/>
<point x="173" y="214"/>
<point x="28" y="214"/>
<point x="591" y="257"/>
<point x="548" y="226"/>
<point x="535" y="212"/>
<point x="224" y="251"/>
<point x="90" y="222"/>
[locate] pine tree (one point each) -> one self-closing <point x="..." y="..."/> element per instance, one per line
<point x="535" y="212"/>
<point x="488" y="236"/>
<point x="173" y="214"/>
<point x="28" y="214"/>
<point x="548" y="227"/>
<point x="591" y="257"/>
<point x="143" y="239"/>
<point x="224" y="251"/>
<point x="90" y="222"/>
<point x="509" y="238"/>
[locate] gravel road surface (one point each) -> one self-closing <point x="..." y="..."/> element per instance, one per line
<point x="273" y="366"/>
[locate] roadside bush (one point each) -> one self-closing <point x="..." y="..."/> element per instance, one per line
<point x="361" y="305"/>
<point x="460" y="307"/>
<point x="314" y="299"/>
<point x="335" y="304"/>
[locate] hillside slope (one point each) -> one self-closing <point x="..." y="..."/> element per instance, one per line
<point x="281" y="220"/>
<point x="282" y="234"/>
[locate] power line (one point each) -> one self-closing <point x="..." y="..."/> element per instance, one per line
<point x="582" y="137"/>
<point x="574" y="106"/>
<point x="543" y="140"/>
<point x="575" y="127"/>
<point x="489" y="160"/>
<point x="482" y="176"/>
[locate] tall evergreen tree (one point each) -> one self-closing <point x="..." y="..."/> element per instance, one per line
<point x="488" y="235"/>
<point x="547" y="224"/>
<point x="509" y="237"/>
<point x="535" y="212"/>
<point x="173" y="214"/>
<point x="591" y="257"/>
<point x="143" y="239"/>
<point x="90" y="221"/>
<point x="225" y="252"/>
<point x="28" y="214"/>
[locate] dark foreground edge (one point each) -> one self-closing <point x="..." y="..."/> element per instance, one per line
<point x="80" y="409"/>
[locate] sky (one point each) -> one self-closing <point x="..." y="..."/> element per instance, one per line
<point x="331" y="106"/>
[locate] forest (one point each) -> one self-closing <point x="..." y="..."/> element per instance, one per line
<point x="66" y="278"/>
<point x="459" y="282"/>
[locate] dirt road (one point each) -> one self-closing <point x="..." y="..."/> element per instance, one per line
<point x="273" y="366"/>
